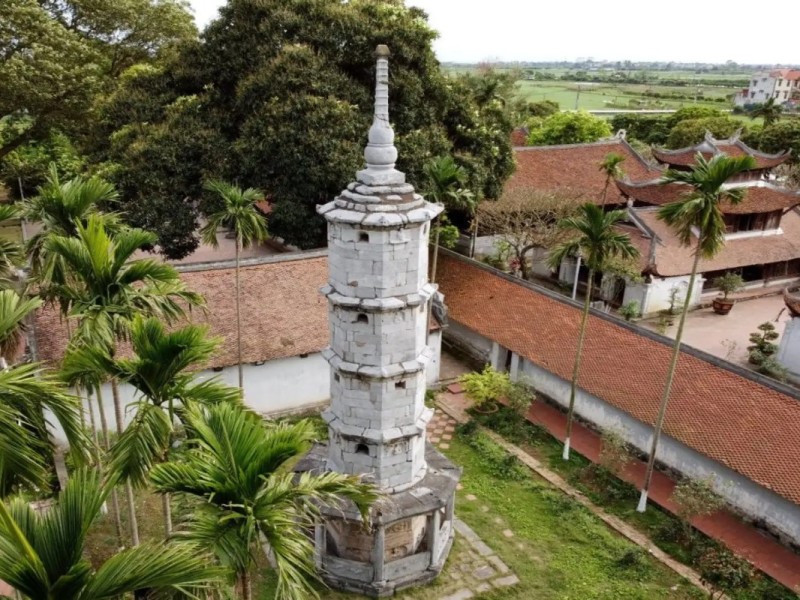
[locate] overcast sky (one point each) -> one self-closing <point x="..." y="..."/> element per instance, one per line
<point x="678" y="30"/>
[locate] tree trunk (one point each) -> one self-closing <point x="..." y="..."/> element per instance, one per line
<point x="134" y="524"/>
<point x="576" y="367"/>
<point x="474" y="236"/>
<point x="435" y="255"/>
<point x="167" y="516"/>
<point x="605" y="191"/>
<point x="107" y="445"/>
<point x="673" y="365"/>
<point x="239" y="324"/>
<point x="246" y="585"/>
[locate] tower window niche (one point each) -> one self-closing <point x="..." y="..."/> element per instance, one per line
<point x="362" y="318"/>
<point x="363" y="236"/>
<point x="399" y="385"/>
<point x="362" y="449"/>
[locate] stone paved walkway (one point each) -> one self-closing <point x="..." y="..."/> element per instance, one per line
<point x="766" y="554"/>
<point x="473" y="568"/>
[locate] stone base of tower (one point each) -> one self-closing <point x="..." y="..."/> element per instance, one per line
<point x="407" y="541"/>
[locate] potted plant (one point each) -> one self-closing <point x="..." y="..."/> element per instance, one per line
<point x="727" y="284"/>
<point x="486" y="388"/>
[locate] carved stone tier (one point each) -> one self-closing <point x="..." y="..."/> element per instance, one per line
<point x="409" y="536"/>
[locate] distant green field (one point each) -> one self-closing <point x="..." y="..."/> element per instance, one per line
<point x="597" y="96"/>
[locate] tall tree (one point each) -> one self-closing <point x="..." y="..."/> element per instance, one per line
<point x="567" y="128"/>
<point x="240" y="215"/>
<point x="165" y="389"/>
<point x="698" y="221"/>
<point x="42" y="553"/>
<point x="238" y="468"/>
<point x="107" y="289"/>
<point x="26" y="390"/>
<point x="598" y="242"/>
<point x="57" y="55"/>
<point x="769" y="111"/>
<point x="612" y="169"/>
<point x="446" y="181"/>
<point x="231" y="104"/>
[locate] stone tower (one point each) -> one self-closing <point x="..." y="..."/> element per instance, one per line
<point x="378" y="296"/>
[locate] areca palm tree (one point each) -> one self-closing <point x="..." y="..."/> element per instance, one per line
<point x="599" y="242"/>
<point x="446" y="181"/>
<point x="42" y="553"/>
<point x="769" y="111"/>
<point x="249" y="226"/>
<point x="239" y="468"/>
<point x="107" y="289"/>
<point x="698" y="221"/>
<point x="12" y="256"/>
<point x="158" y="372"/>
<point x="612" y="170"/>
<point x="25" y="392"/>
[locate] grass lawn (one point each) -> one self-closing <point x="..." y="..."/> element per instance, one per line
<point x="620" y="498"/>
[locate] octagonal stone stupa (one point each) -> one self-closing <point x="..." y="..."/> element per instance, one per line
<point x="379" y="300"/>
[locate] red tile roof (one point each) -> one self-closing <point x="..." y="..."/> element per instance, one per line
<point x="757" y="199"/>
<point x="283" y="313"/>
<point x="710" y="147"/>
<point x="737" y="421"/>
<point x="575" y="168"/>
<point x="670" y="258"/>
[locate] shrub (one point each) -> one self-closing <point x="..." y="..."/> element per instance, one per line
<point x="772" y="368"/>
<point x="724" y="572"/>
<point x="729" y="283"/>
<point x="630" y="310"/>
<point x="520" y="396"/>
<point x="762" y="346"/>
<point x="695" y="498"/>
<point x="486" y="387"/>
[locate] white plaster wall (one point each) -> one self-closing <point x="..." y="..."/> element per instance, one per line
<point x="789" y="348"/>
<point x="278" y="386"/>
<point x="750" y="498"/>
<point x="466" y="340"/>
<point x="434" y="366"/>
<point x="654" y="296"/>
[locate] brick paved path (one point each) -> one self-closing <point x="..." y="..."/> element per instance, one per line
<point x="769" y="556"/>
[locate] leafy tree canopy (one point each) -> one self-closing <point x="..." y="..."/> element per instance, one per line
<point x="56" y="55"/>
<point x="780" y="136"/>
<point x="692" y="131"/>
<point x="567" y="128"/>
<point x="278" y="95"/>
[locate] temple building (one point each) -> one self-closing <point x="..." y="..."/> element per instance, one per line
<point x="379" y="301"/>
<point x="684" y="158"/>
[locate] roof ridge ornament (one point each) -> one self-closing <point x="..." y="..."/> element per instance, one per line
<point x="380" y="154"/>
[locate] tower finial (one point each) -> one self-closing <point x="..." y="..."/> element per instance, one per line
<point x="380" y="153"/>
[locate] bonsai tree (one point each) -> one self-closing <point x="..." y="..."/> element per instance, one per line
<point x="762" y="346"/>
<point x="486" y="387"/>
<point x="729" y="283"/>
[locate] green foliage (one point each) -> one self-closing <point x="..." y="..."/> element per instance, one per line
<point x="781" y="136"/>
<point x="763" y="343"/>
<point x="730" y="283"/>
<point x="567" y="128"/>
<point x="259" y="66"/>
<point x="630" y="310"/>
<point x="30" y="163"/>
<point x="693" y="131"/>
<point x="770" y="367"/>
<point x="42" y="553"/>
<point x="696" y="498"/>
<point x="691" y="113"/>
<point x="486" y="387"/>
<point x="238" y="468"/>
<point x="650" y="129"/>
<point x="58" y="56"/>
<point x="520" y="396"/>
<point x="724" y="572"/>
<point x="495" y="460"/>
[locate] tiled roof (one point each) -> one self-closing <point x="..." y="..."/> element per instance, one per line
<point x="671" y="258"/>
<point x="757" y="199"/>
<point x="283" y="313"/>
<point x="710" y="147"/>
<point x="575" y="168"/>
<point x="745" y="425"/>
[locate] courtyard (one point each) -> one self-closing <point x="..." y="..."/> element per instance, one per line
<point x="727" y="336"/>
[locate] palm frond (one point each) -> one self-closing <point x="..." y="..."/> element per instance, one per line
<point x="142" y="444"/>
<point x="13" y="311"/>
<point x="238" y="213"/>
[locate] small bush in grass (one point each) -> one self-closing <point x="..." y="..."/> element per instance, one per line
<point x="724" y="572"/>
<point x="634" y="559"/>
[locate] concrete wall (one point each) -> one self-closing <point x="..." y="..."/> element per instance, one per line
<point x="751" y="499"/>
<point x="654" y="296"/>
<point x="789" y="348"/>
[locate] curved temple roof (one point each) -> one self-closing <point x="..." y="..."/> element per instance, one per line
<point x="711" y="146"/>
